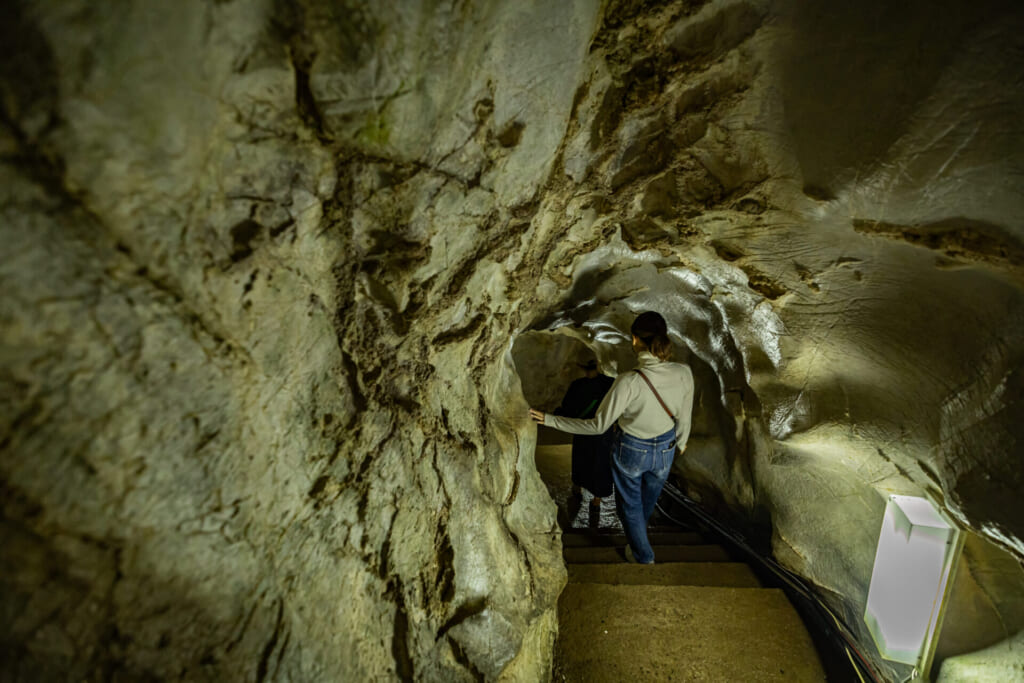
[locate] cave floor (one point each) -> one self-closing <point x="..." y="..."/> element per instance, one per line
<point x="695" y="615"/>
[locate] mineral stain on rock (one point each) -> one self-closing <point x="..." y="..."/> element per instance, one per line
<point x="511" y="135"/>
<point x="957" y="238"/>
<point x="243" y="234"/>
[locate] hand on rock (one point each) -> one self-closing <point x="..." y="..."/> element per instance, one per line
<point x="537" y="416"/>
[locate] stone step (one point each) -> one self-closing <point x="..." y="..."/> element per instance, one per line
<point x="671" y="553"/>
<point x="575" y="540"/>
<point x="734" y="574"/>
<point x="660" y="633"/>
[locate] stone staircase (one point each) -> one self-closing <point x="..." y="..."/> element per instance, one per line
<point x="695" y="615"/>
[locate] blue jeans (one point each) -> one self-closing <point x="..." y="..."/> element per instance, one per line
<point x="639" y="468"/>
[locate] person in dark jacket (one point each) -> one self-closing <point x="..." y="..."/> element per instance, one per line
<point x="591" y="463"/>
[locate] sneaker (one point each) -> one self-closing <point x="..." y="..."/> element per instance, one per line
<point x="631" y="558"/>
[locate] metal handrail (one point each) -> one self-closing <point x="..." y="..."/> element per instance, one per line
<point x="794" y="581"/>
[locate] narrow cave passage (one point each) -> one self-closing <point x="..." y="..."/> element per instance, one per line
<point x="699" y="607"/>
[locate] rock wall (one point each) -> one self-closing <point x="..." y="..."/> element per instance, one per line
<point x="267" y="262"/>
<point x="255" y="350"/>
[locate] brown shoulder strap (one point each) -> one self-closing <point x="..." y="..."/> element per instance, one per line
<point x="657" y="395"/>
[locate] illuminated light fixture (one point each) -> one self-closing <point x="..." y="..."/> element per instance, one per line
<point x="918" y="548"/>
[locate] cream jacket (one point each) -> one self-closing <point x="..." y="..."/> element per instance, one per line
<point x="632" y="404"/>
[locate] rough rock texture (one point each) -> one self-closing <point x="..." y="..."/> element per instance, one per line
<point x="255" y="376"/>
<point x="266" y="263"/>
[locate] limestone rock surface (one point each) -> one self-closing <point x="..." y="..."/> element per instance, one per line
<point x="282" y="278"/>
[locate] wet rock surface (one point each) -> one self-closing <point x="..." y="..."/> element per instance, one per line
<point x="270" y="270"/>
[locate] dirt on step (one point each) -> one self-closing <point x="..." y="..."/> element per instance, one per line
<point x="681" y="633"/>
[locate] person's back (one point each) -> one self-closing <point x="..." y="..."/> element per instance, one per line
<point x="651" y="409"/>
<point x="643" y="414"/>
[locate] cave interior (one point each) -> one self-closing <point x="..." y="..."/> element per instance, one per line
<point x="282" y="279"/>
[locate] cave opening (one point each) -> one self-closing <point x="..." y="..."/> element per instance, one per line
<point x="721" y="330"/>
<point x="548" y="361"/>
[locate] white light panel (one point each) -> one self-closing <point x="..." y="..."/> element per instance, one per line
<point x="917" y="547"/>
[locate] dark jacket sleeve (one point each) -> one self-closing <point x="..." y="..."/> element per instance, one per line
<point x="571" y="402"/>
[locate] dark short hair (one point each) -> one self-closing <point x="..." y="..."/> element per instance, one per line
<point x="651" y="329"/>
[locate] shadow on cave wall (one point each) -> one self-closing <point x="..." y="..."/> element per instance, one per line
<point x="854" y="72"/>
<point x="28" y="96"/>
<point x="71" y="615"/>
